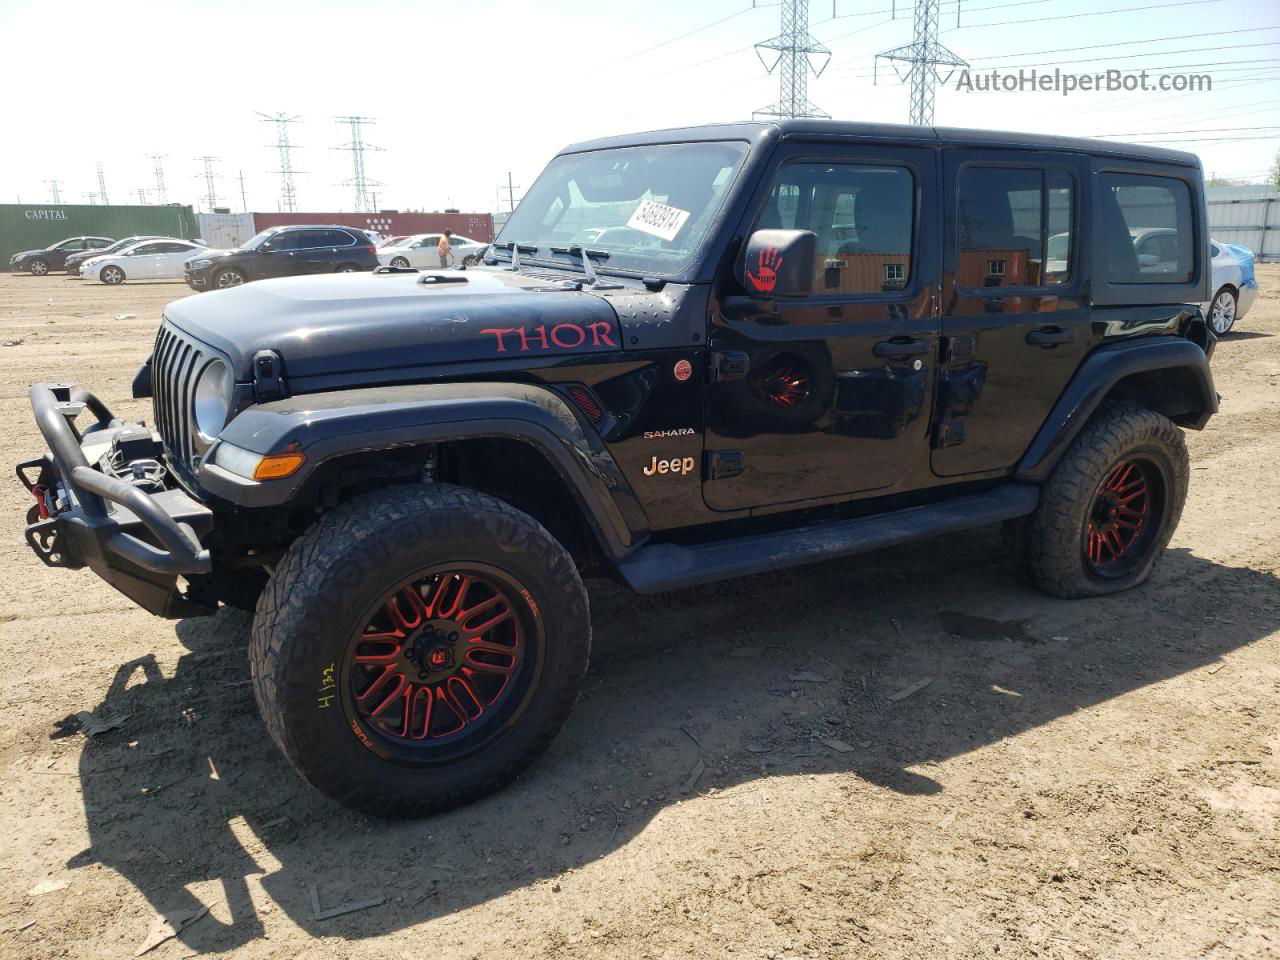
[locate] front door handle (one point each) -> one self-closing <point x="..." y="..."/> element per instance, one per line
<point x="900" y="348"/>
<point x="1049" y="337"/>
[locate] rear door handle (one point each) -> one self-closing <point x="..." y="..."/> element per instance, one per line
<point x="1049" y="337"/>
<point x="900" y="348"/>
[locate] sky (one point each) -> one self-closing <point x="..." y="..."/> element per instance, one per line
<point x="464" y="93"/>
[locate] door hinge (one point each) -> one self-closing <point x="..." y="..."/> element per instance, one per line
<point x="730" y="365"/>
<point x="960" y="349"/>
<point x="721" y="464"/>
<point x="948" y="433"/>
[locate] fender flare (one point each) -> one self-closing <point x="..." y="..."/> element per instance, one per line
<point x="1101" y="370"/>
<point x="331" y="425"/>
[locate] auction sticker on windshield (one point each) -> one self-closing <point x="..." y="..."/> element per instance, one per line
<point x="658" y="219"/>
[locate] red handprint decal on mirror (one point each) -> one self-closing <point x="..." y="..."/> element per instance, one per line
<point x="767" y="266"/>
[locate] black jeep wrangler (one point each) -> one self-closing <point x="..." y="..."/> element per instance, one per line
<point x="690" y="355"/>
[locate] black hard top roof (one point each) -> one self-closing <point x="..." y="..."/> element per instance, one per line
<point x="835" y="130"/>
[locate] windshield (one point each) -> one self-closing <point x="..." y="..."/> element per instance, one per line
<point x="647" y="208"/>
<point x="254" y="242"/>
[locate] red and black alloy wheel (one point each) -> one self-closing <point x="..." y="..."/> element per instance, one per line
<point x="441" y="664"/>
<point x="1123" y="520"/>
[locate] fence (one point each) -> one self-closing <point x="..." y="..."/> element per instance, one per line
<point x="1249" y="216"/>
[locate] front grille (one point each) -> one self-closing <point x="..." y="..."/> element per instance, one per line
<point x="175" y="363"/>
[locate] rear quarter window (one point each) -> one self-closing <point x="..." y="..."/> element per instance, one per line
<point x="1146" y="228"/>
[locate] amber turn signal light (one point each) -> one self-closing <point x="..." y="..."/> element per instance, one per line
<point x="276" y="466"/>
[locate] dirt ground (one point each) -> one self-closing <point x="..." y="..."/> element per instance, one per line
<point x="1080" y="779"/>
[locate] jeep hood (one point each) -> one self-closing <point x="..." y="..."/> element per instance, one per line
<point x="345" y="323"/>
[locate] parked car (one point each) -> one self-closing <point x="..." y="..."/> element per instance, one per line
<point x="156" y="259"/>
<point x="390" y="241"/>
<point x="420" y="251"/>
<point x="73" y="262"/>
<point x="1234" y="284"/>
<point x="749" y="366"/>
<point x="40" y="262"/>
<point x="285" y="252"/>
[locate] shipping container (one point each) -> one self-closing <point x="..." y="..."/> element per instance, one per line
<point x="1249" y="216"/>
<point x="225" y="231"/>
<point x="476" y="226"/>
<point x="36" y="226"/>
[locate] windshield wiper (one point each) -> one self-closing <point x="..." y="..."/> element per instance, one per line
<point x="515" y="248"/>
<point x="587" y="267"/>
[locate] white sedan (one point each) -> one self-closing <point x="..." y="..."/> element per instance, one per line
<point x="1234" y="285"/>
<point x="147" y="260"/>
<point x="420" y="251"/>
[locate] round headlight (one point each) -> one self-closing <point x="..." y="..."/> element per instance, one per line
<point x="213" y="399"/>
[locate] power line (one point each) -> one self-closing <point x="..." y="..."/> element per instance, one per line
<point x="359" y="180"/>
<point x="288" y="193"/>
<point x="683" y="36"/>
<point x="1128" y="43"/>
<point x="1092" y="13"/>
<point x="925" y="55"/>
<point x="794" y="45"/>
<point x="55" y="191"/>
<point x="1160" y="133"/>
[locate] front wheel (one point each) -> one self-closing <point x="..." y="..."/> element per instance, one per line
<point x="418" y="648"/>
<point x="111" y="275"/>
<point x="39" y="267"/>
<point x="1109" y="508"/>
<point x="228" y="278"/>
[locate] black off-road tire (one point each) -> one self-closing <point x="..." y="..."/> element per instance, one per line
<point x="308" y="614"/>
<point x="1050" y="544"/>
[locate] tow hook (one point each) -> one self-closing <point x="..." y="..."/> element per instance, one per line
<point x="41" y="492"/>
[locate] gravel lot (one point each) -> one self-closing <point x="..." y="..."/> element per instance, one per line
<point x="1080" y="779"/>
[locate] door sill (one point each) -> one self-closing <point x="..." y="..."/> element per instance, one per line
<point x="668" y="566"/>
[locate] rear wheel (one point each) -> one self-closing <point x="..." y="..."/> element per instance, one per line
<point x="349" y="268"/>
<point x="1110" y="507"/>
<point x="1222" y="315"/>
<point x="112" y="275"/>
<point x="39" y="267"/>
<point x="418" y="648"/>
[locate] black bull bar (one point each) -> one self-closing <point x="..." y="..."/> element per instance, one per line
<point x="138" y="542"/>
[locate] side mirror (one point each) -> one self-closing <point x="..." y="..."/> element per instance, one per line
<point x="778" y="263"/>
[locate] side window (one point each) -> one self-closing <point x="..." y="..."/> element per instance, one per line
<point x="284" y="241"/>
<point x="172" y="247"/>
<point x="1148" y="232"/>
<point x="863" y="218"/>
<point x="338" y="238"/>
<point x="149" y="248"/>
<point x="1016" y="227"/>
<point x="97" y="243"/>
<point x="71" y="246"/>
<point x="311" y="239"/>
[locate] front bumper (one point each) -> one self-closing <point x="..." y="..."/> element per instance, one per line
<point x="138" y="542"/>
<point x="197" y="279"/>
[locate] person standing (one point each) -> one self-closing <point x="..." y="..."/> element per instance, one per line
<point x="444" y="248"/>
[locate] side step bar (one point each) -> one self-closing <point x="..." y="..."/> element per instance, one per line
<point x="668" y="566"/>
